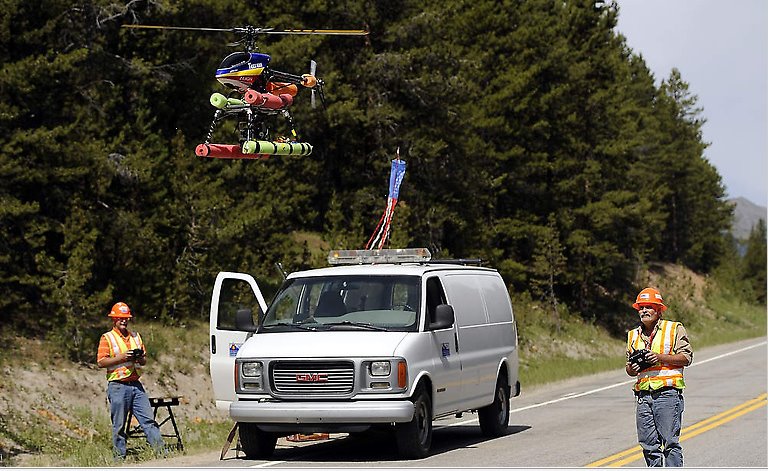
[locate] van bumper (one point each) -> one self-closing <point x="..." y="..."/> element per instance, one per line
<point x="353" y="412"/>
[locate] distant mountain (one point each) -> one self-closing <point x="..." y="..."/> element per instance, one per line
<point x="746" y="214"/>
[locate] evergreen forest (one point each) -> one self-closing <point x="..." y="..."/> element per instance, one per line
<point x="535" y="138"/>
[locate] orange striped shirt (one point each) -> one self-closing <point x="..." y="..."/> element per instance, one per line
<point x="105" y="350"/>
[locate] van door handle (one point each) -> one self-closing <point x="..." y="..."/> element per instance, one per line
<point x="456" y="341"/>
<point x="213" y="344"/>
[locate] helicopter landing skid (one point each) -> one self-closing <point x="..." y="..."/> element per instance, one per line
<point x="254" y="134"/>
<point x="257" y="150"/>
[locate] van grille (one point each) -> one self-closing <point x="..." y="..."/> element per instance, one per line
<point x="313" y="377"/>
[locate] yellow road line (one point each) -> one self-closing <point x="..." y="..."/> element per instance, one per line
<point x="620" y="459"/>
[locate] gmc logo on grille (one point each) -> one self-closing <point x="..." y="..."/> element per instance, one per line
<point x="312" y="378"/>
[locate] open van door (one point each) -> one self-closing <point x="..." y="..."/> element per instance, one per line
<point x="231" y="292"/>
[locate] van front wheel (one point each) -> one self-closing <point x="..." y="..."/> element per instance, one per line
<point x="256" y="443"/>
<point x="414" y="438"/>
<point x="494" y="418"/>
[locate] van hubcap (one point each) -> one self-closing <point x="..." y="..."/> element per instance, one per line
<point x="501" y="396"/>
<point x="421" y="421"/>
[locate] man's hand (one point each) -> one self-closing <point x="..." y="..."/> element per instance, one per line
<point x="642" y="359"/>
<point x="632" y="369"/>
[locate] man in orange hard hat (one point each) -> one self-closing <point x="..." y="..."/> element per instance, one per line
<point x="123" y="354"/>
<point x="657" y="352"/>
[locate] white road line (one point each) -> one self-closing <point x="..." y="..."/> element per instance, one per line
<point x="268" y="464"/>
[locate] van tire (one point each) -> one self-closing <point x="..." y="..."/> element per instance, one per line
<point x="414" y="438"/>
<point x="494" y="418"/>
<point x="256" y="443"/>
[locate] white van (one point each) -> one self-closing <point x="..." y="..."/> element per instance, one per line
<point x="393" y="340"/>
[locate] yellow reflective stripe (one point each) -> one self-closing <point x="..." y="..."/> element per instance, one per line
<point x="657" y="346"/>
<point x="663" y="338"/>
<point x="672" y="332"/>
<point x="674" y="336"/>
<point x="634" y="340"/>
<point x="669" y="336"/>
<point x="660" y="378"/>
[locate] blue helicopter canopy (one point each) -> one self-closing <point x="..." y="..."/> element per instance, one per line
<point x="242" y="61"/>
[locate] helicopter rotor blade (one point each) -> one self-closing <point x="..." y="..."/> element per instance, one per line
<point x="327" y="32"/>
<point x="257" y="30"/>
<point x="179" y="28"/>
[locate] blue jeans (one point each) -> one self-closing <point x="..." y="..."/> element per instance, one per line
<point x="659" y="419"/>
<point x="131" y="396"/>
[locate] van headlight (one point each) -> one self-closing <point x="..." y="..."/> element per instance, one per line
<point x="380" y="368"/>
<point x="251" y="369"/>
<point x="385" y="375"/>
<point x="249" y="379"/>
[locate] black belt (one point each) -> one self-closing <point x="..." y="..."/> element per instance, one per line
<point x="652" y="391"/>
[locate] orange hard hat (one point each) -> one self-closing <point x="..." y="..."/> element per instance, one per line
<point x="120" y="310"/>
<point x="650" y="296"/>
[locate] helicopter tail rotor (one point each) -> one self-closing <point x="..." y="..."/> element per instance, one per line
<point x="317" y="89"/>
<point x="312" y="70"/>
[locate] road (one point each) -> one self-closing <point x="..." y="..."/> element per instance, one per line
<point x="586" y="421"/>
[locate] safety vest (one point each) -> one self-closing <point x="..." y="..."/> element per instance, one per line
<point x="127" y="368"/>
<point x="659" y="375"/>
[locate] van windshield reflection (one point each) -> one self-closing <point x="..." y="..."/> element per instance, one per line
<point x="346" y="303"/>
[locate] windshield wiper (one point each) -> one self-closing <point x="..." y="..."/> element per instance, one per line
<point x="289" y="324"/>
<point x="364" y="325"/>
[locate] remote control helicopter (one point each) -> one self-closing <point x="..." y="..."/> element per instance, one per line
<point x="257" y="94"/>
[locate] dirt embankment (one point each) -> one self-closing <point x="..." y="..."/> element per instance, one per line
<point x="42" y="391"/>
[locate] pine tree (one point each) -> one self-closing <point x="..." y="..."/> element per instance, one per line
<point x="689" y="187"/>
<point x="754" y="261"/>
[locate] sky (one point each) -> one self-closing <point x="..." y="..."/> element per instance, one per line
<point x="721" y="50"/>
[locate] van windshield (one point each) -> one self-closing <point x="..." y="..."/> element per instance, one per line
<point x="346" y="303"/>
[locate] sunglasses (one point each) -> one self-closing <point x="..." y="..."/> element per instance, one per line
<point x="646" y="307"/>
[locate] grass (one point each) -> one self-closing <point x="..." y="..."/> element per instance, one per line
<point x="50" y="430"/>
<point x="94" y="450"/>
<point x="735" y="320"/>
<point x="559" y="368"/>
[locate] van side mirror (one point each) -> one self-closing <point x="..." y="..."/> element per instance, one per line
<point x="244" y="320"/>
<point x="444" y="317"/>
